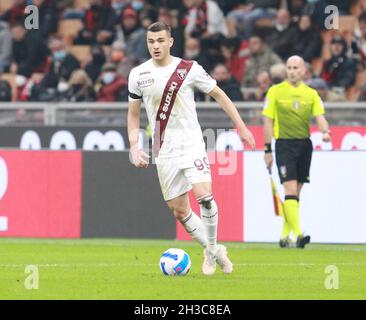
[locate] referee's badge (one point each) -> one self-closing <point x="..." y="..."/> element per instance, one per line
<point x="283" y="171"/>
<point x="296" y="104"/>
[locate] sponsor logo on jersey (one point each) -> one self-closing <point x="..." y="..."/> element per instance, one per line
<point x="145" y="82"/>
<point x="144" y="72"/>
<point x="296" y="104"/>
<point x="182" y="73"/>
<point x="167" y="101"/>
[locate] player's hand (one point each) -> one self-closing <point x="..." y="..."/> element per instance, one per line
<point x="326" y="137"/>
<point x="247" y="137"/>
<point x="268" y="160"/>
<point x="140" y="158"/>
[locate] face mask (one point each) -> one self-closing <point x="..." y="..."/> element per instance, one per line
<point x="137" y="5"/>
<point x="62" y="86"/>
<point x="108" y="77"/>
<point x="280" y="27"/>
<point x="118" y="6"/>
<point x="20" y="80"/>
<point x="59" y="55"/>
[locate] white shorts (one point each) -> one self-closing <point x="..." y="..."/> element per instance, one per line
<point x="176" y="175"/>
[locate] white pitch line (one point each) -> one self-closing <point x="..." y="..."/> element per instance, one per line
<point x="104" y="265"/>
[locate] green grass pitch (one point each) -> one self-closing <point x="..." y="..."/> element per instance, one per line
<point x="128" y="269"/>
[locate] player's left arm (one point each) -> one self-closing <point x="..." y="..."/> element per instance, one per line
<point x="228" y="106"/>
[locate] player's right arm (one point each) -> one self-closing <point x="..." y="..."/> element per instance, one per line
<point x="139" y="157"/>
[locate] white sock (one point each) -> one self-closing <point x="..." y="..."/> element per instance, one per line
<point x="194" y="226"/>
<point x="210" y="217"/>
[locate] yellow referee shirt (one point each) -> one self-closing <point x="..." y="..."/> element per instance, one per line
<point x="291" y="109"/>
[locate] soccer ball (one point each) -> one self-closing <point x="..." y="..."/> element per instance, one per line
<point x="175" y="262"/>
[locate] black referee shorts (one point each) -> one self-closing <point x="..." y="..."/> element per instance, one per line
<point x="293" y="158"/>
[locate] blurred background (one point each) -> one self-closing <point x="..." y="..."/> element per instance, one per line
<point x="64" y="87"/>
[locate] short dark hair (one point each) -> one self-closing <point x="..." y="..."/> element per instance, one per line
<point x="159" y="26"/>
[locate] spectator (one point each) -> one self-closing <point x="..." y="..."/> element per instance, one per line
<point x="16" y="14"/>
<point x="112" y="87"/>
<point x="359" y="42"/>
<point x="62" y="65"/>
<point x="211" y="51"/>
<point x="98" y="23"/>
<point x="5" y="46"/>
<point x="321" y="87"/>
<point x="316" y="10"/>
<point x="192" y="51"/>
<point x="48" y="17"/>
<point x="258" y="93"/>
<point x="308" y="43"/>
<point x="296" y="8"/>
<point x="64" y="4"/>
<point x="171" y="18"/>
<point x="242" y="19"/>
<point x="227" y="82"/>
<point x="23" y="84"/>
<point x="278" y="73"/>
<point x="80" y="88"/>
<point x="264" y="82"/>
<point x="236" y="53"/>
<point x="28" y="49"/>
<point x="309" y="73"/>
<point x="130" y="32"/>
<point x="261" y="59"/>
<point x="344" y="7"/>
<point x="94" y="67"/>
<point x="124" y="63"/>
<point x="282" y="35"/>
<point x="118" y="6"/>
<point x="204" y="18"/>
<point x="339" y="70"/>
<point x="5" y="91"/>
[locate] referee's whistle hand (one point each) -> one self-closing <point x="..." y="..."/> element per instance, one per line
<point x="326" y="137"/>
<point x="268" y="160"/>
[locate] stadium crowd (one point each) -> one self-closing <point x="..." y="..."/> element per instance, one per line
<point x="85" y="49"/>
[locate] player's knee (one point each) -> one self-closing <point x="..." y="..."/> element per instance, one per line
<point x="179" y="212"/>
<point x="206" y="201"/>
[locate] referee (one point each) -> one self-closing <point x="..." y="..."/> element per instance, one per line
<point x="287" y="111"/>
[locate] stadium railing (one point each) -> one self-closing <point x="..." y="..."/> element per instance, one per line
<point x="115" y="114"/>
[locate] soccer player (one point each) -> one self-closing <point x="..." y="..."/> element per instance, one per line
<point x="288" y="109"/>
<point x="166" y="86"/>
